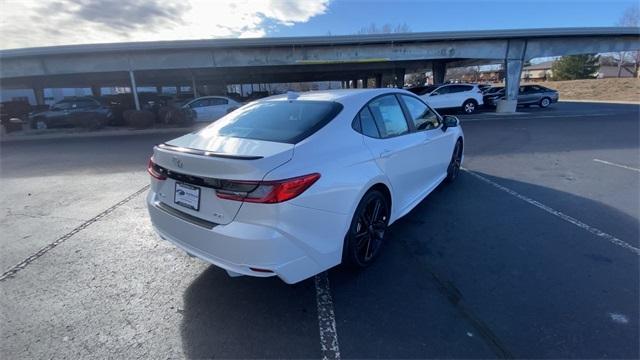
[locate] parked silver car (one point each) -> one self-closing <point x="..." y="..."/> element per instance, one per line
<point x="527" y="95"/>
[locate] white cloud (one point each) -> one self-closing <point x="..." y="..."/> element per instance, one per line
<point x="30" y="23"/>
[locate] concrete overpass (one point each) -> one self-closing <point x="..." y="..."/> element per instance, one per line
<point x="384" y="57"/>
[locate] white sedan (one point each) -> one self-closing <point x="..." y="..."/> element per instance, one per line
<point x="292" y="185"/>
<point x="211" y="108"/>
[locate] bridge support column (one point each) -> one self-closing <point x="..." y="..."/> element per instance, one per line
<point x="364" y="82"/>
<point x="96" y="90"/>
<point x="378" y="80"/>
<point x="38" y="93"/>
<point x="438" y="70"/>
<point x="134" y="89"/>
<point x="513" y="68"/>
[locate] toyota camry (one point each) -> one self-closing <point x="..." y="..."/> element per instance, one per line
<point x="294" y="184"/>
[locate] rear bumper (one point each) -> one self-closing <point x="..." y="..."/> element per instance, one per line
<point x="240" y="247"/>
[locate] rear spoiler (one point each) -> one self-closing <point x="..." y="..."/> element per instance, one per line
<point x="184" y="150"/>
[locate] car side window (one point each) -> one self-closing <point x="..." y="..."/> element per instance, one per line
<point x="218" y="101"/>
<point x="443" y="90"/>
<point x="197" y="104"/>
<point x="368" y="123"/>
<point x="423" y="118"/>
<point x="388" y="116"/>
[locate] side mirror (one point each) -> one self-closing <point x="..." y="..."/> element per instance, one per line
<point x="450" y="121"/>
<point x="434" y="94"/>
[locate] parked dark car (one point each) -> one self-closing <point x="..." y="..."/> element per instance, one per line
<point x="76" y="111"/>
<point x="119" y="103"/>
<point x="537" y="95"/>
<point x="527" y="95"/>
<point x="484" y="87"/>
<point x="13" y="114"/>
<point x="491" y="95"/>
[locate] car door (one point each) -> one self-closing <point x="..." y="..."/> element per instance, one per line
<point x="200" y="108"/>
<point x="59" y="112"/>
<point x="440" y="98"/>
<point x="395" y="149"/>
<point x="527" y="95"/>
<point x="436" y="146"/>
<point x="218" y="107"/>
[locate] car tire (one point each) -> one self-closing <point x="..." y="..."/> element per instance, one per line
<point x="469" y="106"/>
<point x="545" y="102"/>
<point x="453" y="170"/>
<point x="365" y="237"/>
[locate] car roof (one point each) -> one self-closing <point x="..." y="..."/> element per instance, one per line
<point x="212" y="97"/>
<point x="339" y="95"/>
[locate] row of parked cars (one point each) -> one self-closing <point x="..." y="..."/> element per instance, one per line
<point x="115" y="110"/>
<point x="470" y="97"/>
<point x="96" y="112"/>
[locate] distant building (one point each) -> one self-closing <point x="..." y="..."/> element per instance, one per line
<point x="542" y="71"/>
<point x="537" y="72"/>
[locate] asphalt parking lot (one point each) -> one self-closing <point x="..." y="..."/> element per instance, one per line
<point x="532" y="253"/>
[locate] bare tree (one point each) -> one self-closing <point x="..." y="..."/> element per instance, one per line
<point x="385" y="29"/>
<point x="630" y="17"/>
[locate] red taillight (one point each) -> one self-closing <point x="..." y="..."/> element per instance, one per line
<point x="151" y="169"/>
<point x="268" y="192"/>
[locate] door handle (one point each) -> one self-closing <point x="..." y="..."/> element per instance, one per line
<point x="385" y="153"/>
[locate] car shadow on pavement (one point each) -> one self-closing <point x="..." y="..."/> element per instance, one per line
<point x="542" y="286"/>
<point x="246" y="317"/>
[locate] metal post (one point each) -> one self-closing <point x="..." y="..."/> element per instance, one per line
<point x="38" y="93"/>
<point x="159" y="89"/>
<point x="134" y="89"/>
<point x="364" y="82"/>
<point x="193" y="86"/>
<point x="378" y="80"/>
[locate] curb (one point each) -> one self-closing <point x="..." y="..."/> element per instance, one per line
<point x="127" y="132"/>
<point x="601" y="101"/>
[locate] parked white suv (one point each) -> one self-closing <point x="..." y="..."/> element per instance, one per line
<point x="211" y="108"/>
<point x="467" y="97"/>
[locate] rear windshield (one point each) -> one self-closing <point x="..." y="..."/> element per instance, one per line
<point x="278" y="121"/>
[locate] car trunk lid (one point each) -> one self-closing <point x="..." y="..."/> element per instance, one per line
<point x="195" y="165"/>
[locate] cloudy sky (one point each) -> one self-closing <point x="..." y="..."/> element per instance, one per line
<point x="28" y="23"/>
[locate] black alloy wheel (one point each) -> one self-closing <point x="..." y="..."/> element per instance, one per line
<point x="366" y="234"/>
<point x="456" y="161"/>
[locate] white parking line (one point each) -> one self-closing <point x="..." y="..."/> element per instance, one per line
<point x="612" y="239"/>
<point x="618" y="165"/>
<point x="326" y="319"/>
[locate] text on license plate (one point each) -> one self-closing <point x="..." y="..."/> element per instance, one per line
<point x="187" y="196"/>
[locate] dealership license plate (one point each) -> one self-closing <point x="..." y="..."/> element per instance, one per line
<point x="187" y="196"/>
